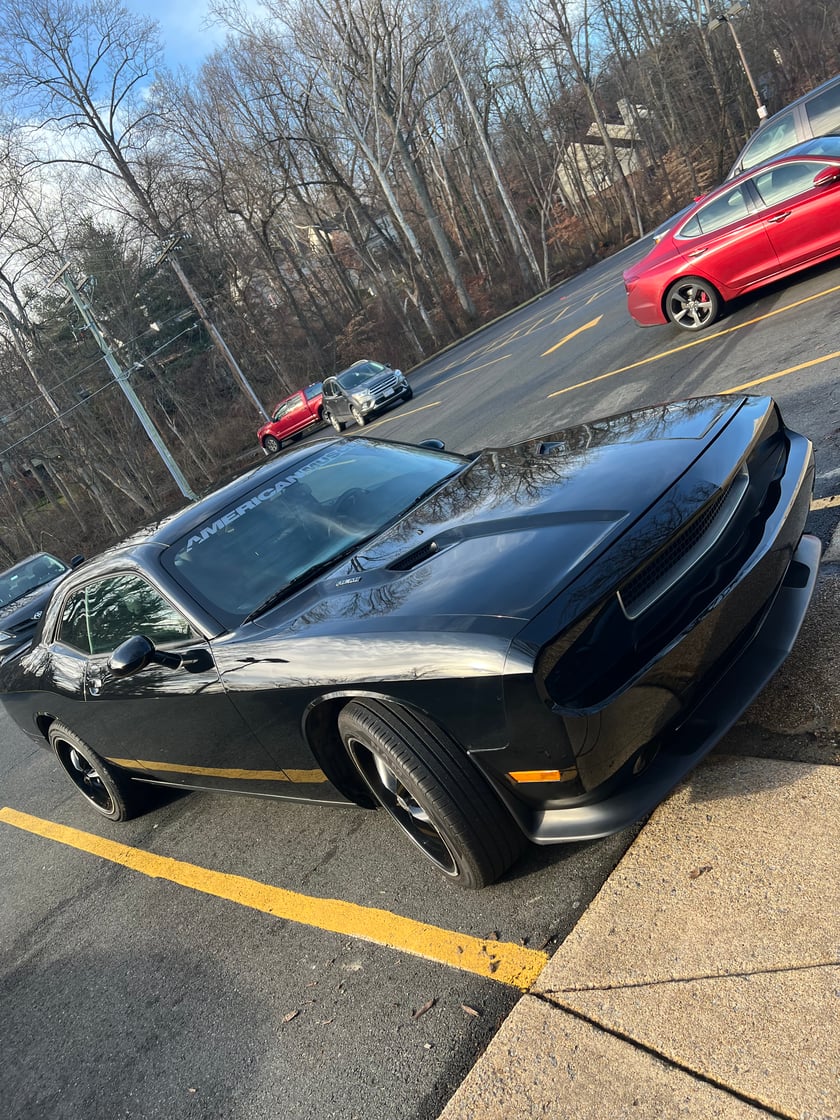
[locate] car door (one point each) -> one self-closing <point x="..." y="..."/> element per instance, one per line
<point x="333" y="403"/>
<point x="297" y="415"/>
<point x="175" y="725"/>
<point x="727" y="242"/>
<point x="802" y="215"/>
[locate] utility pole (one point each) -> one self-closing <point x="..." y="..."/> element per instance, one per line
<point x="735" y="9"/>
<point x="210" y="326"/>
<point x="121" y="378"/>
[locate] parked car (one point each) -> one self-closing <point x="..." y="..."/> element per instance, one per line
<point x="291" y="416"/>
<point x="534" y="642"/>
<point x="769" y="223"/>
<point x="361" y="391"/>
<point x="814" y="114"/>
<point x="25" y="589"/>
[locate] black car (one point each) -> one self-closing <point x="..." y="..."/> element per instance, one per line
<point x="534" y="641"/>
<point x="362" y="390"/>
<point x="25" y="589"/>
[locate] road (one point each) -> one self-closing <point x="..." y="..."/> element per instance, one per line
<point x="139" y="986"/>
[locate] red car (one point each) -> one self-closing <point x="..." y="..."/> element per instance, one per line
<point x="768" y="223"/>
<point x="292" y="415"/>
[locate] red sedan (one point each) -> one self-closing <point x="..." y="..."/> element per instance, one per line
<point x="768" y="223"/>
<point x="291" y="416"/>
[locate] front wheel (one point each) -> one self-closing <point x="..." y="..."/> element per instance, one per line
<point x="111" y="793"/>
<point x="432" y="790"/>
<point x="272" y="444"/>
<point x="358" y="415"/>
<point x="334" y="420"/>
<point x="692" y="304"/>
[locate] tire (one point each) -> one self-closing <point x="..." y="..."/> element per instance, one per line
<point x="336" y="423"/>
<point x="692" y="304"/>
<point x="433" y="791"/>
<point x="408" y="394"/>
<point x="112" y="794"/>
<point x="358" y="416"/>
<point x="272" y="444"/>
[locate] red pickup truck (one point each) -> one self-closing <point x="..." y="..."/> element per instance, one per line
<point x="292" y="415"/>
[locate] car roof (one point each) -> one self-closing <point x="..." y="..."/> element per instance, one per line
<point x="815" y="92"/>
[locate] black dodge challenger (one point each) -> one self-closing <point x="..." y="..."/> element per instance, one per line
<point x="529" y="643"/>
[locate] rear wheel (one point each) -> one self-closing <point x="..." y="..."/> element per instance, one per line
<point x="111" y="793"/>
<point x="272" y="444"/>
<point x="692" y="304"/>
<point x="433" y="791"/>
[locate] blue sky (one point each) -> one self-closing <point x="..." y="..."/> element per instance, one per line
<point x="187" y="34"/>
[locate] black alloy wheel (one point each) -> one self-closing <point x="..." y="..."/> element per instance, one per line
<point x="433" y="791"/>
<point x="358" y="415"/>
<point x="272" y="444"/>
<point x="692" y="303"/>
<point x="110" y="793"/>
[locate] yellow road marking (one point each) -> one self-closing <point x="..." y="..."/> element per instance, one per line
<point x="571" y="335"/>
<point x="694" y="342"/>
<point x="565" y="311"/>
<point x="826" y="503"/>
<point x="474" y="369"/>
<point x="504" y="962"/>
<point x="221" y="772"/>
<point x="783" y="373"/>
<point x="402" y="412"/>
<point x="592" y="298"/>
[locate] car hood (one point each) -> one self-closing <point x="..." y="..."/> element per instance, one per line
<point x="504" y="536"/>
<point x="27" y="606"/>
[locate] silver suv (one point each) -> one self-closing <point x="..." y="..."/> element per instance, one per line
<point x="813" y="114"/>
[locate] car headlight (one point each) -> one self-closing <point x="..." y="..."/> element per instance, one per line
<point x="365" y="399"/>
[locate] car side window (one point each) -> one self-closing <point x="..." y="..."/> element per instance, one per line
<point x="786" y="181"/>
<point x="777" y="136"/>
<point x="99" y="616"/>
<point x="823" y="111"/>
<point x="720" y="212"/>
<point x="287" y="406"/>
<point x="329" y="388"/>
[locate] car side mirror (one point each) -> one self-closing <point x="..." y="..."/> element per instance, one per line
<point x="134" y="654"/>
<point x="827" y="177"/>
<point x="77" y="560"/>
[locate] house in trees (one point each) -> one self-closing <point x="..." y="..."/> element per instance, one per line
<point x="586" y="168"/>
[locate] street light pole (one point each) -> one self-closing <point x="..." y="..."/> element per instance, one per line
<point x="726" y="17"/>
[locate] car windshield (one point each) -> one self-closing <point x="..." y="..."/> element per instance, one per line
<point x="359" y="374"/>
<point x="27" y="575"/>
<point x="292" y="525"/>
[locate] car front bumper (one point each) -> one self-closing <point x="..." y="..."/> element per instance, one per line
<point x="719" y="709"/>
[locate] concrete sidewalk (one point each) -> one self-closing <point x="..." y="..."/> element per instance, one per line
<point x="704" y="979"/>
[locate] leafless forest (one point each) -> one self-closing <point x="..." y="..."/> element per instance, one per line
<point x="344" y="178"/>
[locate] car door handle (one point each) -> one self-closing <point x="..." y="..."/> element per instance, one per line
<point x="780" y="217"/>
<point x="697" y="253"/>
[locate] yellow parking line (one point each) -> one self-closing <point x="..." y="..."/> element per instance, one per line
<point x="504" y="962"/>
<point x="475" y="369"/>
<point x="573" y="334"/>
<point x="782" y="373"/>
<point x="826" y="503"/>
<point x="694" y="342"/>
<point x="398" y="414"/>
